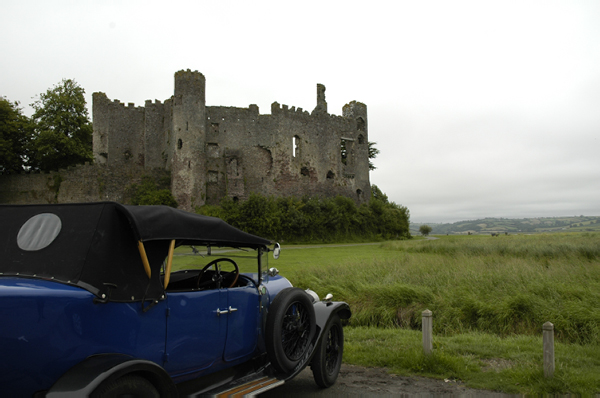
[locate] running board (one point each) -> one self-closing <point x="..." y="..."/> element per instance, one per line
<point x="252" y="388"/>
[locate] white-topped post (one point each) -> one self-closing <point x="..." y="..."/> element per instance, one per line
<point x="548" y="338"/>
<point x="427" y="322"/>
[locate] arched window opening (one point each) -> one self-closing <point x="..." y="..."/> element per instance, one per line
<point x="330" y="175"/>
<point x="360" y="124"/>
<point x="304" y="171"/>
<point x="179" y="143"/>
<point x="295" y="146"/>
<point x="361" y="139"/>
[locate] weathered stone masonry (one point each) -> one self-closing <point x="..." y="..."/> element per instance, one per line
<point x="213" y="152"/>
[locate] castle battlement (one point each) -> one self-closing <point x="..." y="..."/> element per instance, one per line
<point x="218" y="151"/>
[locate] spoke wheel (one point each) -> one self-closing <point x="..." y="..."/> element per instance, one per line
<point x="290" y="329"/>
<point x="295" y="331"/>
<point x="328" y="358"/>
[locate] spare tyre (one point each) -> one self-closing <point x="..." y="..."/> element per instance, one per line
<point x="290" y="329"/>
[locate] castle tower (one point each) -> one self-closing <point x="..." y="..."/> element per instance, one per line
<point x="100" y="104"/>
<point x="321" y="107"/>
<point x="357" y="113"/>
<point x="188" y="168"/>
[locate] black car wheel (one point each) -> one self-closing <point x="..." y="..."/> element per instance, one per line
<point x="126" y="387"/>
<point x="290" y="329"/>
<point x="328" y="357"/>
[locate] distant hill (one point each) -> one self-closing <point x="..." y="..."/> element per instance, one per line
<point x="513" y="226"/>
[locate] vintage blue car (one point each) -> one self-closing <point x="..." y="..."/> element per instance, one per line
<point x="92" y="305"/>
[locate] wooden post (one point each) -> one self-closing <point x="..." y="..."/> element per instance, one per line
<point x="427" y="323"/>
<point x="548" y="329"/>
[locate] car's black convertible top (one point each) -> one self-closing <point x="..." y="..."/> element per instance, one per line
<point x="96" y="245"/>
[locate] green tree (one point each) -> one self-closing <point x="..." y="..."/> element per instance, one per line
<point x="15" y="137"/>
<point x="148" y="193"/>
<point x="63" y="131"/>
<point x="377" y="194"/>
<point x="424" y="229"/>
<point x="373" y="152"/>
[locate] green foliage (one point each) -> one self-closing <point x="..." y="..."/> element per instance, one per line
<point x="424" y="229"/>
<point x="373" y="152"/>
<point x="502" y="286"/>
<point x="16" y="133"/>
<point x="479" y="360"/>
<point x="148" y="193"/>
<point x="63" y="131"/>
<point x="315" y="219"/>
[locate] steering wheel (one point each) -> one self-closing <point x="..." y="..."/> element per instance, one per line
<point x="218" y="277"/>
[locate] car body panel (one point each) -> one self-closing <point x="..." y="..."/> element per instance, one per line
<point x="87" y="295"/>
<point x="64" y="324"/>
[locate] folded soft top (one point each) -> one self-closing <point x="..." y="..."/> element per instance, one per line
<point x="94" y="245"/>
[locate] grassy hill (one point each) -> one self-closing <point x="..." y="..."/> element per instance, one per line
<point x="514" y="226"/>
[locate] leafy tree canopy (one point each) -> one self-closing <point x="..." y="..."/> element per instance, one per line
<point x="63" y="131"/>
<point x="15" y="137"/>
<point x="314" y="219"/>
<point x="373" y="152"/>
<point x="148" y="193"/>
<point x="377" y="194"/>
<point x="425" y="229"/>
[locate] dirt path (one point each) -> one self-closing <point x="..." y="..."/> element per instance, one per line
<point x="357" y="381"/>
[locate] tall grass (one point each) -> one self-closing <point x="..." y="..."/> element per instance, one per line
<point x="503" y="285"/>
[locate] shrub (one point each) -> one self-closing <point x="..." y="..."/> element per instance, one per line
<point x="148" y="193"/>
<point x="314" y="219"/>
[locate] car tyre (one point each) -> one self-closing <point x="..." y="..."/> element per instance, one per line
<point x="328" y="356"/>
<point x="290" y="329"/>
<point x="126" y="386"/>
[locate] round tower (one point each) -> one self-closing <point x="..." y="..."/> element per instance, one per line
<point x="188" y="169"/>
<point x="357" y="113"/>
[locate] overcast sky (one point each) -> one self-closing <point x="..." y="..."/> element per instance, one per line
<point x="480" y="108"/>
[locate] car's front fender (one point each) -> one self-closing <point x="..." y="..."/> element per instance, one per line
<point x="85" y="377"/>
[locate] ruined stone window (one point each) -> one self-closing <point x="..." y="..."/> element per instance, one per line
<point x="295" y="146"/>
<point x="213" y="176"/>
<point x="360" y="124"/>
<point x="304" y="171"/>
<point x="330" y="175"/>
<point x="347" y="150"/>
<point x="233" y="167"/>
<point x="212" y="150"/>
<point x="179" y="143"/>
<point x="361" y="139"/>
<point x="359" y="193"/>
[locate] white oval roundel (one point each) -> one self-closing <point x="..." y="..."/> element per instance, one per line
<point x="39" y="231"/>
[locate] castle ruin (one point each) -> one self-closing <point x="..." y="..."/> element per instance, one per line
<point x="212" y="152"/>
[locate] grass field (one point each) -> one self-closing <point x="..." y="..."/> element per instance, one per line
<point x="489" y="295"/>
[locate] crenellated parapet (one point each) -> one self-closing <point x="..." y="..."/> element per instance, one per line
<point x="217" y="151"/>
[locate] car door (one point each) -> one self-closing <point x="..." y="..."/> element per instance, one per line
<point x="242" y="322"/>
<point x="196" y="330"/>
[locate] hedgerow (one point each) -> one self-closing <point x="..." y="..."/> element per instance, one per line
<point x="315" y="219"/>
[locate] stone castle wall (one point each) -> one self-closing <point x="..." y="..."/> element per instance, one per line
<point x="211" y="152"/>
<point x="83" y="183"/>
